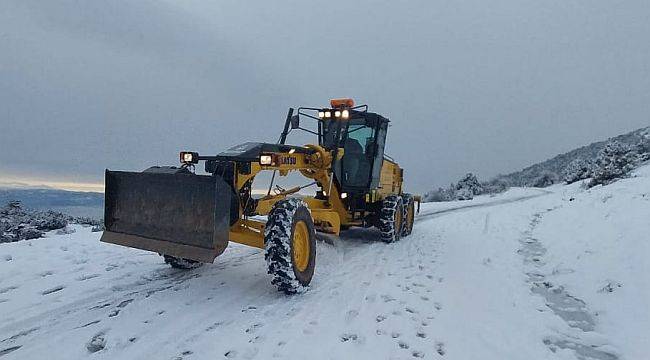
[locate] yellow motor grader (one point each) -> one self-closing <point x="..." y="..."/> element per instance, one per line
<point x="190" y="218"/>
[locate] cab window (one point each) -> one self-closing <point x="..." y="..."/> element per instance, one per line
<point x="358" y="156"/>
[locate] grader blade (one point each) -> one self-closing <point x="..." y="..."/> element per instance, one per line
<point x="179" y="214"/>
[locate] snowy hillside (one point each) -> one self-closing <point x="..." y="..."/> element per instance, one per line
<point x="558" y="273"/>
<point x="554" y="168"/>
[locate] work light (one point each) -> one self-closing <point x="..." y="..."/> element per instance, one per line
<point x="188" y="157"/>
<point x="266" y="159"/>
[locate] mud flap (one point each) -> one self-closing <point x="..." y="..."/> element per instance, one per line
<point x="179" y="214"/>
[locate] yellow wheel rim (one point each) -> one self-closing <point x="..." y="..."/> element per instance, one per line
<point x="301" y="247"/>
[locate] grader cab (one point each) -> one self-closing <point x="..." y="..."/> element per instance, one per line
<point x="190" y="218"/>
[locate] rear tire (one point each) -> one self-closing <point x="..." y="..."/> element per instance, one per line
<point x="391" y="218"/>
<point x="181" y="263"/>
<point x="409" y="214"/>
<point x="290" y="242"/>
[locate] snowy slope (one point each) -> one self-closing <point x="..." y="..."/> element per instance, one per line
<point x="522" y="275"/>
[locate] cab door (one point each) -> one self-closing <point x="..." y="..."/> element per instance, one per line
<point x="363" y="143"/>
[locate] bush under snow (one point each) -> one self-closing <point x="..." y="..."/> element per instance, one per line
<point x="578" y="169"/>
<point x="614" y="162"/>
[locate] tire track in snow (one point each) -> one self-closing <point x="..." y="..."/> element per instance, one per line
<point x="574" y="311"/>
<point x="433" y="214"/>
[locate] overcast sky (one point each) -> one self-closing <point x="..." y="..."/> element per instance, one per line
<point x="488" y="87"/>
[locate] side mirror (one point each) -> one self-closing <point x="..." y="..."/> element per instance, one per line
<point x="295" y="122"/>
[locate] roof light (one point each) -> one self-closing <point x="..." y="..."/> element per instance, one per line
<point x="321" y="114"/>
<point x="345" y="102"/>
<point x="345" y="114"/>
<point x="328" y="114"/>
<point x="337" y="113"/>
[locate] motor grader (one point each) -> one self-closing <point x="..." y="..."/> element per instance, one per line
<point x="190" y="218"/>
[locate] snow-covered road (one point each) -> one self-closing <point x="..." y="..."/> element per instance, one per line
<point x="459" y="288"/>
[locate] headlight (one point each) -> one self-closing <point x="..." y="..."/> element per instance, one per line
<point x="344" y="195"/>
<point x="345" y="114"/>
<point x="266" y="159"/>
<point x="188" y="157"/>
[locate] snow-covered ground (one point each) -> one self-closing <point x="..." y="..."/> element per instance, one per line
<point x="559" y="273"/>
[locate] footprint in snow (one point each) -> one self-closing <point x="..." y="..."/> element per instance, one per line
<point x="87" y="277"/>
<point x="124" y="303"/>
<point x="214" y="326"/>
<point x="402" y="345"/>
<point x="440" y="348"/>
<point x="251" y="329"/>
<point x="371" y="298"/>
<point x="350" y="337"/>
<point x="46" y="273"/>
<point x="256" y="339"/>
<point x="9" y="350"/>
<point x="351" y="314"/>
<point x="183" y="354"/>
<point x="8" y="289"/>
<point x="52" y="290"/>
<point x="111" y="267"/>
<point x="88" y="324"/>
<point x="417" y="354"/>
<point x="8" y="257"/>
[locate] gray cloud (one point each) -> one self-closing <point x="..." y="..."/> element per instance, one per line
<point x="468" y="86"/>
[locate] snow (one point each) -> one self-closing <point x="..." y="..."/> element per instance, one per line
<point x="558" y="273"/>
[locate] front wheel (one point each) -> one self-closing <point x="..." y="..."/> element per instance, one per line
<point x="290" y="243"/>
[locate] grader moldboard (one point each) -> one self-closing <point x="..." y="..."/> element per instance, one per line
<point x="189" y="218"/>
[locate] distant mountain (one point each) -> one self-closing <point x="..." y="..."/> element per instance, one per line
<point x="552" y="169"/>
<point x="75" y="203"/>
